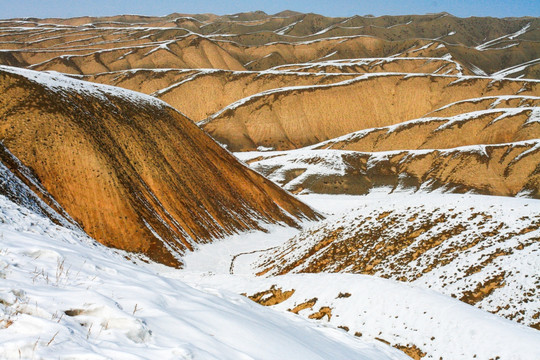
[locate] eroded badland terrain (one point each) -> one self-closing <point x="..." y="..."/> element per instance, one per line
<point x="404" y="148"/>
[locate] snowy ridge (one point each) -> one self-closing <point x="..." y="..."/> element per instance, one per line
<point x="497" y="100"/>
<point x="362" y="77"/>
<point x="446" y="122"/>
<point x="487" y="45"/>
<point x="515" y="69"/>
<point x="306" y="169"/>
<point x="340" y="63"/>
<point x="60" y="83"/>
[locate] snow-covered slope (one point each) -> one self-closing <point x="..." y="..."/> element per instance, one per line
<point x="419" y="317"/>
<point x="62" y="295"/>
<point x="420" y="322"/>
<point x="483" y="250"/>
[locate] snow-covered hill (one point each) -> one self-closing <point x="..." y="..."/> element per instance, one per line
<point x="508" y="169"/>
<point x="64" y="296"/>
<point x="419" y="317"/>
<point x="416" y="320"/>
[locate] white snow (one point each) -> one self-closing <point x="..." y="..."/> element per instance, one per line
<point x="60" y="84"/>
<point x="400" y="313"/>
<point x="287" y="28"/>
<point x="477" y="71"/>
<point x="340" y="63"/>
<point x="312" y="162"/>
<point x="497" y="100"/>
<point x="64" y="296"/>
<point x="515" y="69"/>
<point x="487" y="45"/>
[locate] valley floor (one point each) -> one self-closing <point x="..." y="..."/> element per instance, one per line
<point x="64" y="296"/>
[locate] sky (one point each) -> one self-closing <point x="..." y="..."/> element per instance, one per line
<point x="461" y="8"/>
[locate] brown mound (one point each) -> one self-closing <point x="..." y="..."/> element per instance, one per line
<point x="132" y="171"/>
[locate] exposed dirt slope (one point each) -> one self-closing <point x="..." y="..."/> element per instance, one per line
<point x="201" y="93"/>
<point x="493" y="126"/>
<point x="258" y="41"/>
<point x="132" y="171"/>
<point x="291" y="118"/>
<point x="501" y="169"/>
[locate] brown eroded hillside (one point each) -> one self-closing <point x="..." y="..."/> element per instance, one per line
<point x="131" y="171"/>
<point x="500" y="169"/>
<point x="200" y="93"/>
<point x="257" y="41"/>
<point x="291" y="118"/>
<point x="496" y="125"/>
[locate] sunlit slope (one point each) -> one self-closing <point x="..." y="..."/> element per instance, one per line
<point x="497" y="125"/>
<point x="258" y="41"/>
<point x="294" y="117"/>
<point x="132" y="171"/>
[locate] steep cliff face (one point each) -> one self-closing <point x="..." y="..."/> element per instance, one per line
<point x="131" y="171"/>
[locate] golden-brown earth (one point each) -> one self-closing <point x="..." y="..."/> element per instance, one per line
<point x="131" y="171"/>
<point x="292" y="118"/>
<point x="258" y="41"/>
<point x="423" y="103"/>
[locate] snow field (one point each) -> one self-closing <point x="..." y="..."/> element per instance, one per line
<point x="64" y="296"/>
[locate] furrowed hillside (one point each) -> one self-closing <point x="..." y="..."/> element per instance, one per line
<point x="130" y="170"/>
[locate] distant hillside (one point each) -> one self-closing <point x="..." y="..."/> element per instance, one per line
<point x="258" y="41"/>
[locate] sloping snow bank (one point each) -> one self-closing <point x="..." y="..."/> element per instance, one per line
<point x="64" y="296"/>
<point x="399" y="313"/>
